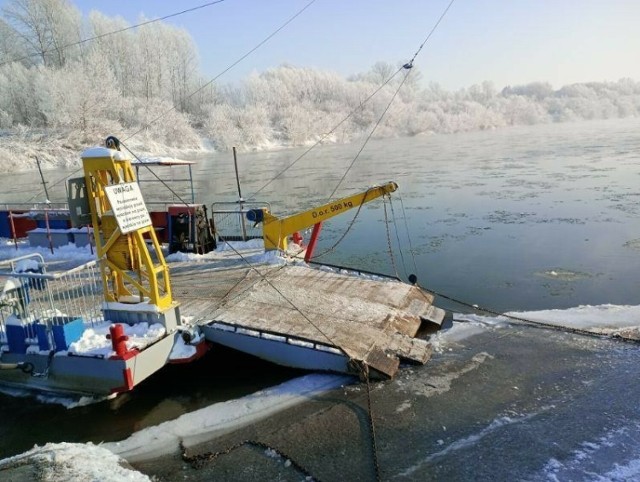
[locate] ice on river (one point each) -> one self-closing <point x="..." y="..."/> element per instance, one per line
<point x="611" y="320"/>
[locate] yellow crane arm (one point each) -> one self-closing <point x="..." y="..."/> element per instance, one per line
<point x="275" y="231"/>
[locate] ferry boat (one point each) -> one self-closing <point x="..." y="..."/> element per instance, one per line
<point x="103" y="327"/>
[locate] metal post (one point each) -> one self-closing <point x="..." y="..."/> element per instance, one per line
<point x="13" y="230"/>
<point x="312" y="242"/>
<point x="193" y="195"/>
<point x="44" y="184"/>
<point x="89" y="236"/>
<point x="240" y="201"/>
<point x="46" y="220"/>
<point x="193" y="235"/>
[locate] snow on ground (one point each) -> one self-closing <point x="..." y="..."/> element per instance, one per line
<point x="253" y="251"/>
<point x="219" y="418"/>
<point x="228" y="253"/>
<point x="182" y="351"/>
<point x="70" y="252"/>
<point x="606" y="319"/>
<point x="464" y="326"/>
<point x="62" y="149"/>
<point x="66" y="461"/>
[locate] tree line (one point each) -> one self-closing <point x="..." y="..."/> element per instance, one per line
<point x="52" y="81"/>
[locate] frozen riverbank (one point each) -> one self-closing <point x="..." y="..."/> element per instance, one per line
<point x="497" y="401"/>
<point x="61" y="149"/>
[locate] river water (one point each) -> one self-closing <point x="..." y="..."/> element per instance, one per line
<point x="519" y="219"/>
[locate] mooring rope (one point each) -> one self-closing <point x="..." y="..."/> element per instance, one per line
<point x="395" y="227"/>
<point x="346" y="231"/>
<point x="389" y="246"/>
<point x="406" y="226"/>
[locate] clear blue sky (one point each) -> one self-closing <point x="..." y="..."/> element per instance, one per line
<point x="508" y="42"/>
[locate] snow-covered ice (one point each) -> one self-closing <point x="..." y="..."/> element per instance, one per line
<point x="601" y="319"/>
<point x="219" y="418"/>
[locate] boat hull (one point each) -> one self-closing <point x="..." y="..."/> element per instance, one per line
<point x="86" y="375"/>
<point x="280" y="350"/>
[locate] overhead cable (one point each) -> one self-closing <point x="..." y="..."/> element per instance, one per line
<point x="83" y="41"/>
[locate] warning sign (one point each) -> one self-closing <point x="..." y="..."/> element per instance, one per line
<point x="128" y="206"/>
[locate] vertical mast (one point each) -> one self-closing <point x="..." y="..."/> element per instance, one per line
<point x="121" y="222"/>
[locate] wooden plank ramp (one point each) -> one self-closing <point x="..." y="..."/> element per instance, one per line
<point x="371" y="320"/>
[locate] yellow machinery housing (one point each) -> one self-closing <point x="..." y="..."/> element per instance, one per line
<point x="129" y="271"/>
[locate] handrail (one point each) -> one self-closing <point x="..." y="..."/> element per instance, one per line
<point x="12" y="261"/>
<point x="49" y="276"/>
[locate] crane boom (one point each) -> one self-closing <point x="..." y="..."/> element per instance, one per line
<point x="275" y="230"/>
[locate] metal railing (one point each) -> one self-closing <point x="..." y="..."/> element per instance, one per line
<point x="61" y="206"/>
<point x="31" y="297"/>
<point x="230" y="222"/>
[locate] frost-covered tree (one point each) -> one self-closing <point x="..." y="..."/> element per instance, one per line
<point x="48" y="29"/>
<point x="154" y="61"/>
<point x="93" y="100"/>
<point x="19" y="96"/>
<point x="119" y="51"/>
<point x="305" y="105"/>
<point x="146" y="81"/>
<point x="535" y="90"/>
<point x="182" y="68"/>
<point x="12" y="48"/>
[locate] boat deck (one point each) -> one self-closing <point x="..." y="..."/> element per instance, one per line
<point x="370" y="320"/>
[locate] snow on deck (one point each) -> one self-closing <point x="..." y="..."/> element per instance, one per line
<point x="94" y="341"/>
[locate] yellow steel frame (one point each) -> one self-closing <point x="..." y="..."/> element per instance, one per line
<point x="275" y="231"/>
<point x="125" y="261"/>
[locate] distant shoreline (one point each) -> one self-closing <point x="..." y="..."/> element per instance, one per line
<point x="56" y="149"/>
